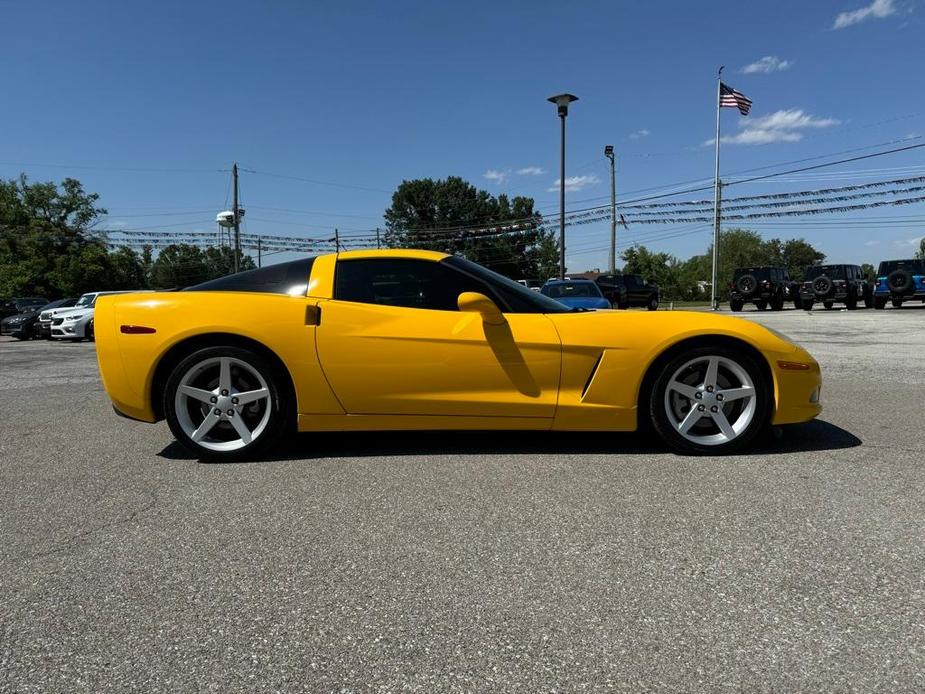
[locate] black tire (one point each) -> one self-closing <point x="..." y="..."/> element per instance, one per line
<point x="659" y="417"/>
<point x="798" y="303"/>
<point x="807" y="304"/>
<point x="735" y="305"/>
<point x="851" y="303"/>
<point x="868" y="298"/>
<point x="879" y="303"/>
<point x="761" y="304"/>
<point x="653" y="303"/>
<point x="777" y="303"/>
<point x="896" y="301"/>
<point x="828" y="305"/>
<point x="747" y="285"/>
<point x="280" y="415"/>
<point x="900" y="281"/>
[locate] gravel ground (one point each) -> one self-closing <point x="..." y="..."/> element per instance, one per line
<point x="469" y="562"/>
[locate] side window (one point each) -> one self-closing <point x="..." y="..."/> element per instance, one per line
<point x="402" y="282"/>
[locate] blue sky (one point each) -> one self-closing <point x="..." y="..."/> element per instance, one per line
<point x="146" y="102"/>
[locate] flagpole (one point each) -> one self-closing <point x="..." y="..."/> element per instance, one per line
<point x="714" y="289"/>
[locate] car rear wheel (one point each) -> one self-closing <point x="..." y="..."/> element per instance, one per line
<point x="879" y="303"/>
<point x="735" y="305"/>
<point x="807" y="304"/>
<point x="225" y="403"/>
<point x="896" y="301"/>
<point x="828" y="305"/>
<point x="653" y="303"/>
<point x="761" y="305"/>
<point x="711" y="400"/>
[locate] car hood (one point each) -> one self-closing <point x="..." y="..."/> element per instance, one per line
<point x="19" y="317"/>
<point x="73" y="312"/>
<point x="584" y="301"/>
<point x="652" y="331"/>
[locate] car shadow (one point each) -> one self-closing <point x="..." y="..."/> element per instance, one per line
<point x="817" y="435"/>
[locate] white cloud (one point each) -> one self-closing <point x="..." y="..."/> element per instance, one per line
<point x="575" y="183"/>
<point x="780" y="126"/>
<point x="769" y="63"/>
<point x="496" y="176"/>
<point x="878" y="9"/>
<point x="531" y="171"/>
<point x="872" y="243"/>
<point x="639" y="134"/>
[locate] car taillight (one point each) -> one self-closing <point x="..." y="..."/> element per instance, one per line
<point x="879" y="283"/>
<point x="766" y="283"/>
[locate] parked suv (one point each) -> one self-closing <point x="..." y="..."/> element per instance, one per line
<point x="835" y="284"/>
<point x="21" y="304"/>
<point x="899" y="281"/>
<point x="763" y="286"/>
<point x="624" y="291"/>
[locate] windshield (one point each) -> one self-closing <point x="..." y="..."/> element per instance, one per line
<point x="518" y="297"/>
<point x="916" y="267"/>
<point x="835" y="272"/>
<point x="85" y="301"/>
<point x="565" y="290"/>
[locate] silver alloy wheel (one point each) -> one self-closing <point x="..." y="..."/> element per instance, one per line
<point x="222" y="403"/>
<point x="710" y="400"/>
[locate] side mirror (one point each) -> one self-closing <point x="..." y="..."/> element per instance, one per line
<point x="474" y="302"/>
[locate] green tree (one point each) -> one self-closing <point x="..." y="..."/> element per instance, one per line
<point x="42" y="225"/>
<point x="797" y="255"/>
<point x="676" y="280"/>
<point x="178" y="265"/>
<point x="453" y="216"/>
<point x="870" y="271"/>
<point x="921" y="251"/>
<point x="128" y="270"/>
<point x="219" y="261"/>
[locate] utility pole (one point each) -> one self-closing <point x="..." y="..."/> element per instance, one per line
<point x="562" y="101"/>
<point x="378" y="245"/>
<point x="237" y="219"/>
<point x="717" y="215"/>
<point x="608" y="152"/>
<point x="336" y="241"/>
<point x="259" y="252"/>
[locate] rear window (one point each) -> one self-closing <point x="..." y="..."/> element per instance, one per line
<point x="571" y="289"/>
<point x="761" y="273"/>
<point x="836" y="272"/>
<point x="282" y="278"/>
<point x="916" y="267"/>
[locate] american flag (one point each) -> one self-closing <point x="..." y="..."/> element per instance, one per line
<point x="733" y="99"/>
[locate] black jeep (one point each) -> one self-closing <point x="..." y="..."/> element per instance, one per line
<point x="763" y="286"/>
<point x="836" y="284"/>
<point x="624" y="291"/>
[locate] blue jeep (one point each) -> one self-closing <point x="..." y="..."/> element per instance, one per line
<point x="899" y="281"/>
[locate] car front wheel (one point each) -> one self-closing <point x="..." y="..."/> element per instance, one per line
<point x="653" y="303"/>
<point x="225" y="403"/>
<point x="710" y="400"/>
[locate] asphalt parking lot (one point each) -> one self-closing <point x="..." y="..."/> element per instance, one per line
<point x="469" y="562"/>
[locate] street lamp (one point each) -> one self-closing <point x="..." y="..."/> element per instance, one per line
<point x="608" y="152"/>
<point x="562" y="101"/>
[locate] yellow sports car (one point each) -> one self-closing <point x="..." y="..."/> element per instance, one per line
<point x="408" y="340"/>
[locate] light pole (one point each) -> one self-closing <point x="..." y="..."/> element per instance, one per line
<point x="562" y="101"/>
<point x="608" y="152"/>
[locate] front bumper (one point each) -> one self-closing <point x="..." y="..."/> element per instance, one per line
<point x="797" y="388"/>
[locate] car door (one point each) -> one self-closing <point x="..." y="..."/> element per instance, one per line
<point x="392" y="341"/>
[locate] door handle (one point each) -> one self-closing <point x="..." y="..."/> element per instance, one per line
<point x="312" y="315"/>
